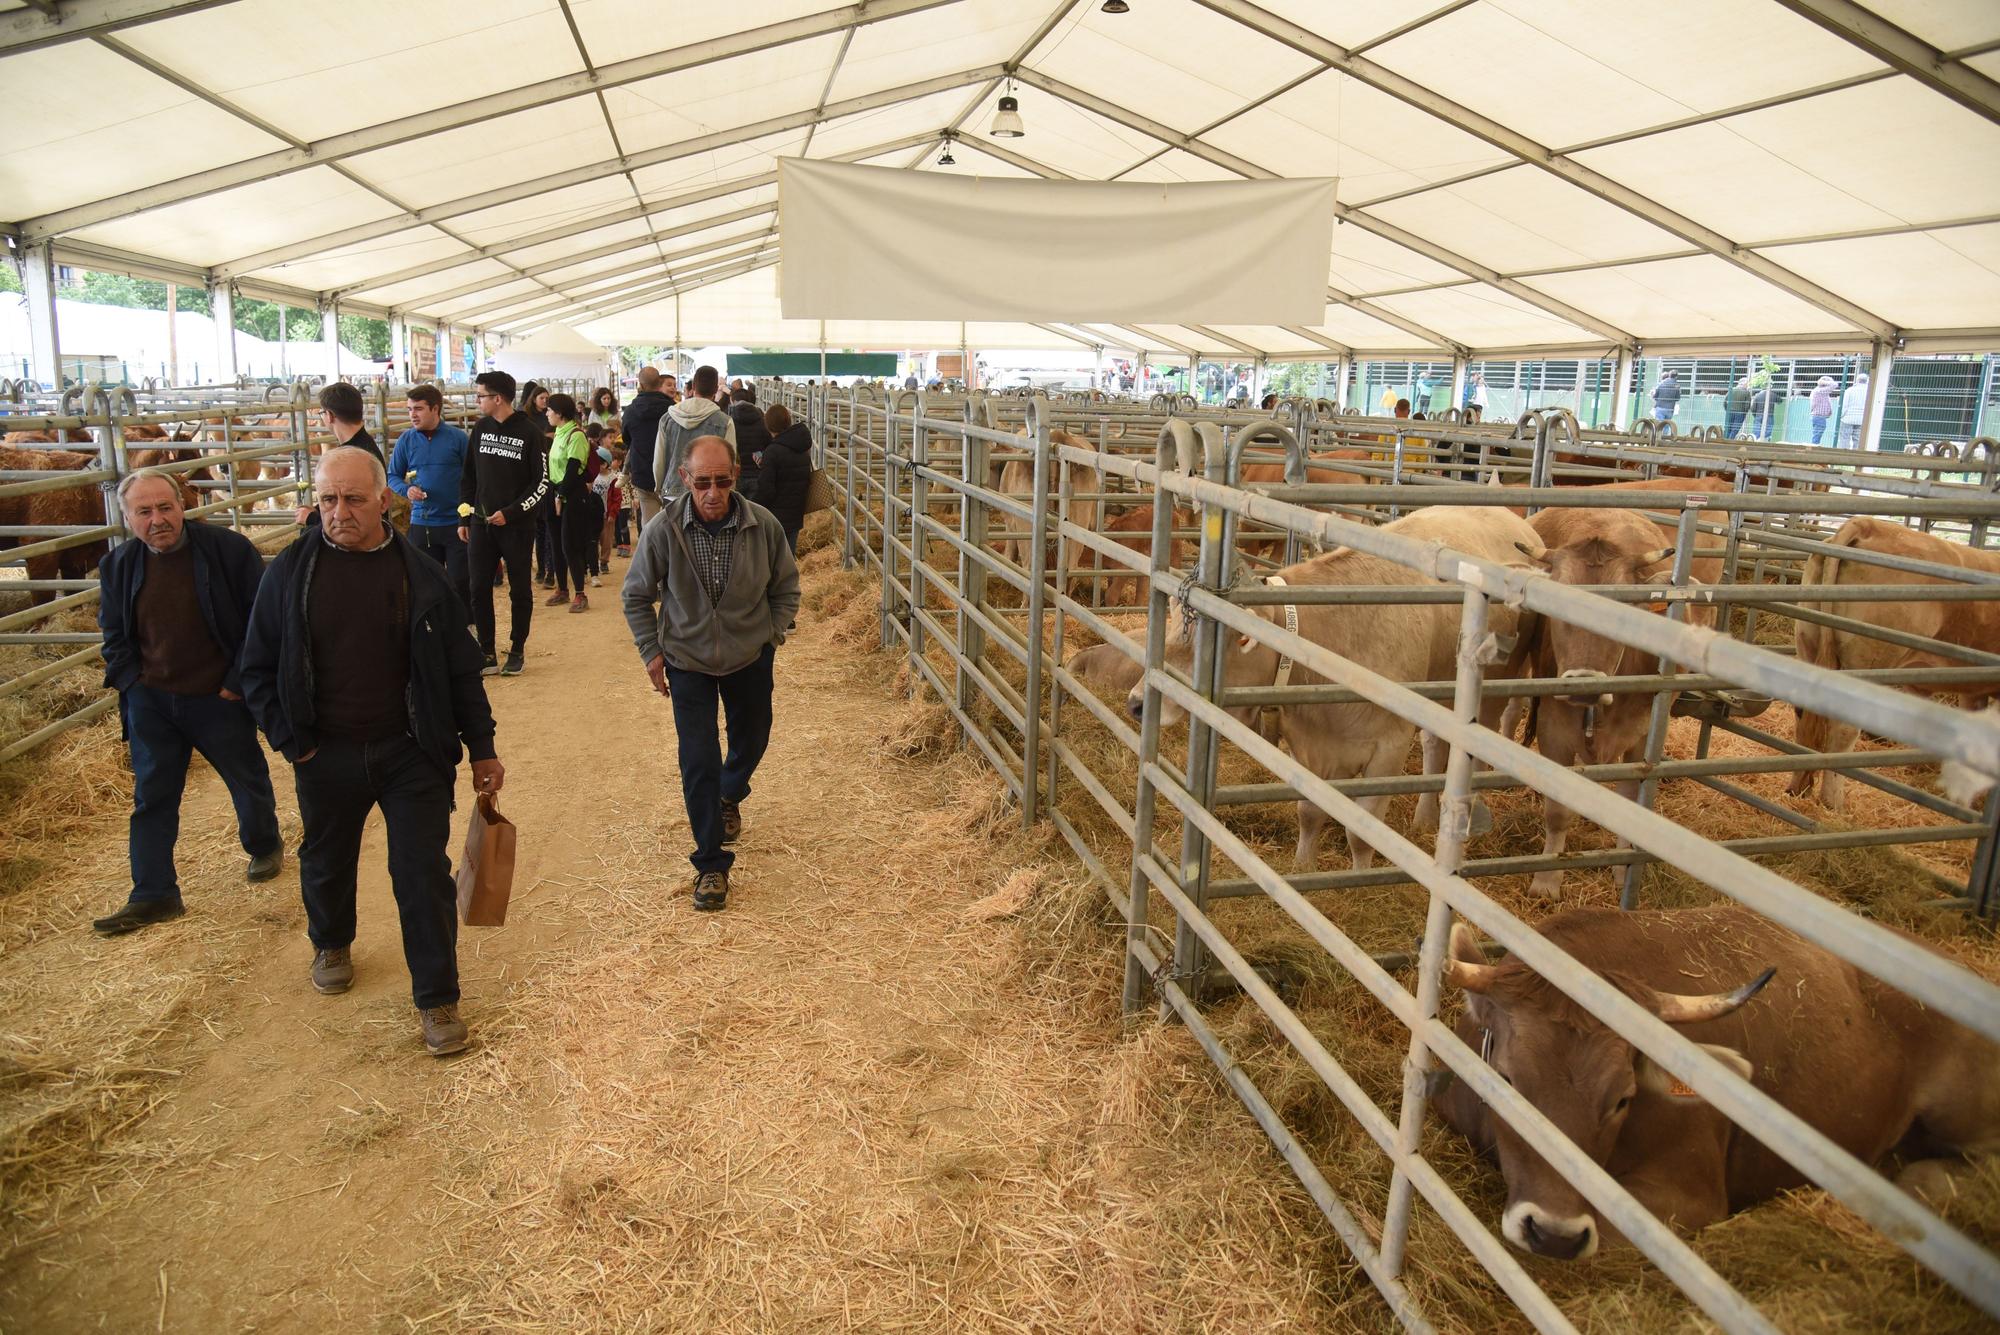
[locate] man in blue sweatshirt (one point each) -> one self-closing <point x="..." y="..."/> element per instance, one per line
<point x="424" y="468"/>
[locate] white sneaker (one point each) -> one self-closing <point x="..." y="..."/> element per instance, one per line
<point x="596" y="583"/>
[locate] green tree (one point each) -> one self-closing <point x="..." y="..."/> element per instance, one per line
<point x="10" y="280"/>
<point x="365" y="336"/>
<point x="117" y="289"/>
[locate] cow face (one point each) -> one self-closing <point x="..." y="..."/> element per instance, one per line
<point x="1246" y="662"/>
<point x="1581" y="655"/>
<point x="1577" y="1073"/>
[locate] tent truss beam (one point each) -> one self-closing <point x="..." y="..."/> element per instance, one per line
<point x="1520" y="146"/>
<point x="1904" y="52"/>
<point x="51" y="24"/>
<point x="647" y="297"/>
<point x="597" y="171"/>
<point x="595" y="287"/>
<point x="457" y="115"/>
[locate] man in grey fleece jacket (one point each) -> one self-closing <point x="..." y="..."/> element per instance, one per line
<point x="710" y="594"/>
<point x="682" y="425"/>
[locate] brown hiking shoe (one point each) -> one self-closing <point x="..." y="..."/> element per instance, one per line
<point x="580" y="603"/>
<point x="333" y="970"/>
<point x="444" y="1032"/>
<point x="732" y="822"/>
<point x="556" y="599"/>
<point x="711" y="891"/>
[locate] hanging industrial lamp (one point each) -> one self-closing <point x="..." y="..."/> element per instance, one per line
<point x="945" y="159"/>
<point x="1007" y="120"/>
<point x="1116" y="7"/>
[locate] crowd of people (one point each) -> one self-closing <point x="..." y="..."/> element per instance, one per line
<point x="362" y="651"/>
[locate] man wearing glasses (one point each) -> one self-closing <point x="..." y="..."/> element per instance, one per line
<point x="504" y="479"/>
<point x="711" y="592"/>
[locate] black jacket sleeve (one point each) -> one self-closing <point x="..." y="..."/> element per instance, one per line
<point x="121" y="654"/>
<point x="261" y="663"/>
<point x="470" y="711"/>
<point x="468" y="472"/>
<point x="241" y="573"/>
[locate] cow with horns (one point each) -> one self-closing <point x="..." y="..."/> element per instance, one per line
<point x="1872" y="1070"/>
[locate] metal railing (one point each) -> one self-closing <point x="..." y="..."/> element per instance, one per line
<point x="984" y="633"/>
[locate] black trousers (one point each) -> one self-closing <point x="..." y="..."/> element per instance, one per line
<point x="165" y="730"/>
<point x="486" y="548"/>
<point x="337" y="788"/>
<point x="579" y="539"/>
<point x="442" y="544"/>
<point x="708" y="778"/>
<point x="548" y="555"/>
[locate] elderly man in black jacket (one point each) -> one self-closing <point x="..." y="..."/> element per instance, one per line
<point x="641" y="425"/>
<point x="360" y="671"/>
<point x="173" y="606"/>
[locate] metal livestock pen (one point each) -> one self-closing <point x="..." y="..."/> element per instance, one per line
<point x="915" y="476"/>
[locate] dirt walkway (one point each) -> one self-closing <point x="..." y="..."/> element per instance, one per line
<point x="856" y="1100"/>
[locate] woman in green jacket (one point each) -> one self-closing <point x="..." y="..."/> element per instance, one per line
<point x="566" y="475"/>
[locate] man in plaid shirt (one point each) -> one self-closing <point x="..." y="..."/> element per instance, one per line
<point x="710" y="594"/>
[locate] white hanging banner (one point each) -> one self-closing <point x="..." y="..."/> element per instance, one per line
<point x="878" y="243"/>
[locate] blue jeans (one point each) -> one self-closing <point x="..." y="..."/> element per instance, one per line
<point x="337" y="788"/>
<point x="707" y="778"/>
<point x="165" y="730"/>
<point x="1819" y="429"/>
<point x="1732" y="422"/>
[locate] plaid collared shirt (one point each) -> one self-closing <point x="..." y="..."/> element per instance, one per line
<point x="713" y="551"/>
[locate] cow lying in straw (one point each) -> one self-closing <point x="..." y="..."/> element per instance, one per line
<point x="1975" y="625"/>
<point x="1863" y="1064"/>
<point x="1401" y="641"/>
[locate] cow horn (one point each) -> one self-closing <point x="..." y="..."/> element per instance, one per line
<point x="1657" y="555"/>
<point x="1681" y="1008"/>
<point x="1540" y="558"/>
<point x="1464" y="963"/>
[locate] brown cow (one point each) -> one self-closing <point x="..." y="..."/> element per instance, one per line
<point x="1105" y="666"/>
<point x="1400" y="641"/>
<point x="1591" y="546"/>
<point x="1863" y="1064"/>
<point x="1976" y="625"/>
<point x="1134" y="529"/>
<point x="1017" y="478"/>
<point x="81" y="505"/>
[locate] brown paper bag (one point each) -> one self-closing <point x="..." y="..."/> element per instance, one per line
<point x="486" y="873"/>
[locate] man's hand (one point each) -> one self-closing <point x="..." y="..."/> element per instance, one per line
<point x="657" y="671"/>
<point x="228" y="694"/>
<point x="498" y="519"/>
<point x="487" y="775"/>
<point x="418" y="494"/>
<point x="463" y="534"/>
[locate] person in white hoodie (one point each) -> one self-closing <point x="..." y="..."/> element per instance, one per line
<point x="692" y="418"/>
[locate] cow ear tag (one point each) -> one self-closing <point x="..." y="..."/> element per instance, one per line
<point x="1678" y="1088"/>
<point x="1244" y="644"/>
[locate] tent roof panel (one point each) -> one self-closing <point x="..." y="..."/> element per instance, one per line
<point x="245" y="220"/>
<point x="576" y="204"/>
<point x="519" y="287"/>
<point x="1351" y="22"/>
<point x="1270" y="338"/>
<point x="1358" y="329"/>
<point x="1872" y="156"/>
<point x="1065" y="137"/>
<point x="869" y="128"/>
<point x="351" y="264"/>
<point x="1481" y="316"/>
<point x="635" y="230"/>
<point x="717" y="165"/>
<point x="1696" y="297"/>
<point x="732" y="92"/>
<point x="1336" y="126"/>
<point x="1945" y="24"/>
<point x="1365" y="262"/>
<point x="972" y="162"/>
<point x="933" y="42"/>
<point x="81" y="145"/>
<point x="616" y="29"/>
<point x="1591" y="77"/>
<point x="1185" y="66"/>
<point x="1524" y="218"/>
<point x="462" y="162"/>
<point x="1177" y="165"/>
<point x="317" y="70"/>
<point x="1920" y="280"/>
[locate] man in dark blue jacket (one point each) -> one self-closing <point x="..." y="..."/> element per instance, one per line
<point x="173" y="606"/>
<point x="424" y="469"/>
<point x="360" y="671"/>
<point x="641" y="425"/>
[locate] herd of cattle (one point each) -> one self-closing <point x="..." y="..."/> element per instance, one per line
<point x="1902" y="1084"/>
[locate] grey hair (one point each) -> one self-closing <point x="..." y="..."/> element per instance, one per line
<point x="339" y="451"/>
<point x="699" y="441"/>
<point x="134" y="478"/>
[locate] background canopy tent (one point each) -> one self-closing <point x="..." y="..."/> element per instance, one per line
<point x="556" y="353"/>
<point x="798" y="364"/>
<point x="1712" y="174"/>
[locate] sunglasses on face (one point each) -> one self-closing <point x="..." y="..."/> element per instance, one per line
<point x="722" y="483"/>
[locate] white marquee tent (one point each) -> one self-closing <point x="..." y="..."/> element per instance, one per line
<point x="556" y="352"/>
<point x="1514" y="176"/>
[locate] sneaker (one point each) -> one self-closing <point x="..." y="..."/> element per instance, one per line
<point x="596" y="582"/>
<point x="580" y="603"/>
<point x="267" y="866"/>
<point x="138" y="913"/>
<point x="556" y="599"/>
<point x="444" y="1033"/>
<point x="515" y="662"/>
<point x="624" y="551"/>
<point x="489" y="665"/>
<point x="333" y="970"/>
<point x="548" y="581"/>
<point x="732" y="822"/>
<point x="711" y="891"/>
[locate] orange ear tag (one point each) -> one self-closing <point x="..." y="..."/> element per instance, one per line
<point x="1679" y="1089"/>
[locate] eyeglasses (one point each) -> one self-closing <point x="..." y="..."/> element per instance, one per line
<point x="723" y="483"/>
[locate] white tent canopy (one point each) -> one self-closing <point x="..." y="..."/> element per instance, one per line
<point x="1513" y="175"/>
<point x="555" y="352"/>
